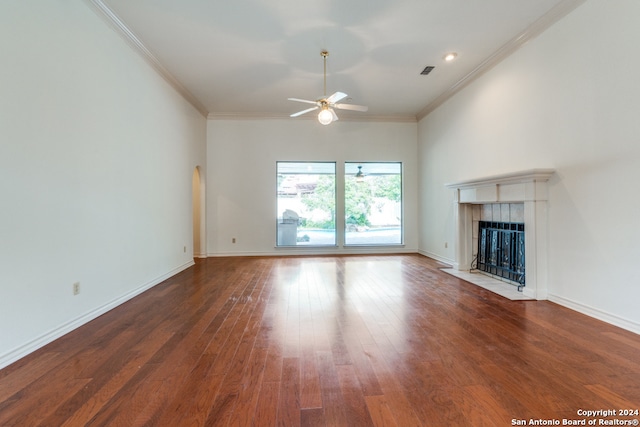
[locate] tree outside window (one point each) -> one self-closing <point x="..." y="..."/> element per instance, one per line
<point x="373" y="203"/>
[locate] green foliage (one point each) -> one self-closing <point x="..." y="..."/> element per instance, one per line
<point x="357" y="201"/>
<point x="387" y="187"/>
<point x="358" y="198"/>
<point x="323" y="198"/>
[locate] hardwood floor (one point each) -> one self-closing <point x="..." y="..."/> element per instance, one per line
<point x="324" y="341"/>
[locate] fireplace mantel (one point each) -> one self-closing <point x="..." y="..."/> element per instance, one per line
<point x="528" y="187"/>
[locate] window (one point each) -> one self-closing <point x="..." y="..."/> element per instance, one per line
<point x="373" y="203"/>
<point x="306" y="204"/>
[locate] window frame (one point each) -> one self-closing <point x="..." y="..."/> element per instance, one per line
<point x="335" y="193"/>
<point x="344" y="208"/>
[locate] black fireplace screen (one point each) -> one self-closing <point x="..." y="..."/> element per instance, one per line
<point x="501" y="250"/>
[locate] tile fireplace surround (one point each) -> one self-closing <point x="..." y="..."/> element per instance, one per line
<point x="527" y="187"/>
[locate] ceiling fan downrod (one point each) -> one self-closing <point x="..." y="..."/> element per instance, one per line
<point x="324" y="55"/>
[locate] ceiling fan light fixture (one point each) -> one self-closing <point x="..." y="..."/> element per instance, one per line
<point x="326" y="104"/>
<point x="325" y="117"/>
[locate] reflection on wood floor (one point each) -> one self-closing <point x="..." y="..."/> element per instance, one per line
<point x="324" y="341"/>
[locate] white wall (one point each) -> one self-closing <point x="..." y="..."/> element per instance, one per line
<point x="97" y="154"/>
<point x="241" y="176"/>
<point x="568" y="100"/>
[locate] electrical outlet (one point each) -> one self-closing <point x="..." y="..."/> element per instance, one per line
<point x="233" y="240"/>
<point x="76" y="288"/>
<point x="184" y="249"/>
<point x="446" y="245"/>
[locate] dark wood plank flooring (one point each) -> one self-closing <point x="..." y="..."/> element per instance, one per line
<point x="324" y="341"/>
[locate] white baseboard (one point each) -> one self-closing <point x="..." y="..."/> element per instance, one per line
<point x="612" y="319"/>
<point x="13" y="355"/>
<point x="318" y="251"/>
<point x="439" y="258"/>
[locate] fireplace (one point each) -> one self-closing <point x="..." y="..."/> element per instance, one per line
<point x="501" y="251"/>
<point x="520" y="194"/>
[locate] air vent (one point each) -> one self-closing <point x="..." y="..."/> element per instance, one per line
<point x="427" y="70"/>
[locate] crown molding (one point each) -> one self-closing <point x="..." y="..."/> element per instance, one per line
<point x="272" y="116"/>
<point x="547" y="20"/>
<point x="132" y="39"/>
<point x="245" y="116"/>
<point x="558" y="12"/>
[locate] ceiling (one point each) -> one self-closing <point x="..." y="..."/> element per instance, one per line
<point x="245" y="58"/>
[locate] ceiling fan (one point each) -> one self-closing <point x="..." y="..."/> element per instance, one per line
<point x="327" y="104"/>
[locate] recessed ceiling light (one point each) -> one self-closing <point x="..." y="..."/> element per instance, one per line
<point x="450" y="56"/>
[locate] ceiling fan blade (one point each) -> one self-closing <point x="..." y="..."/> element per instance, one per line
<point x="302" y="100"/>
<point x="333" y="113"/>
<point x="299" y="113"/>
<point x="352" y="107"/>
<point x="336" y="97"/>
